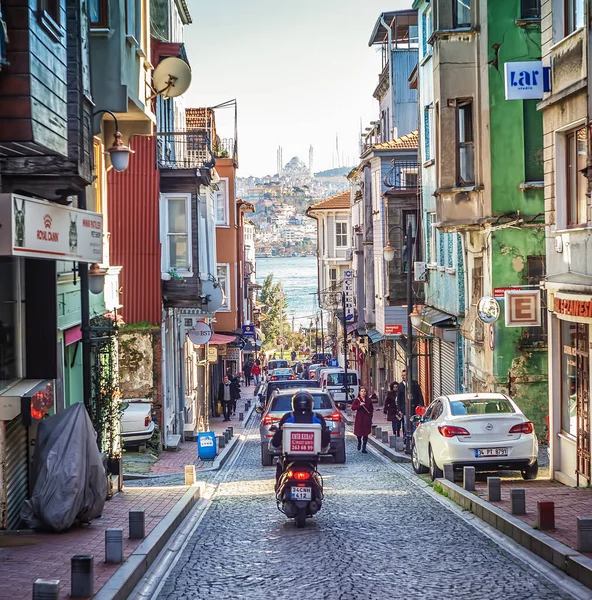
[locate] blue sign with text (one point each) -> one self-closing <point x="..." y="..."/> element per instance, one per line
<point x="249" y="330"/>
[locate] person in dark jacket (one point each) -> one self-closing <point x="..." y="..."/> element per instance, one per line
<point x="363" y="422"/>
<point x="391" y="409"/>
<point x="247" y="370"/>
<point x="416" y="395"/>
<point x="228" y="394"/>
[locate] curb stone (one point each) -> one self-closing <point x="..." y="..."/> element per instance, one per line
<point x="124" y="580"/>
<point x="563" y="557"/>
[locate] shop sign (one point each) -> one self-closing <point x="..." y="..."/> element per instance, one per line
<point x="522" y="308"/>
<point x="393" y="329"/>
<point x="233" y="354"/>
<point x="573" y="307"/>
<point x="348" y="290"/>
<point x="200" y="334"/>
<point x="212" y="354"/>
<point x="525" y="80"/>
<point x="42" y="229"/>
<point x="249" y="330"/>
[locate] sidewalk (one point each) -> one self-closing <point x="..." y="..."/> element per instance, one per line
<point x="26" y="557"/>
<point x="174" y="461"/>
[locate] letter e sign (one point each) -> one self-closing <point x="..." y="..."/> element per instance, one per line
<point x="522" y="308"/>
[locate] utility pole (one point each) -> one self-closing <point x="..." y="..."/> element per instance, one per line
<point x="281" y="322"/>
<point x="409" y="382"/>
<point x="344" y="323"/>
<point x="322" y="337"/>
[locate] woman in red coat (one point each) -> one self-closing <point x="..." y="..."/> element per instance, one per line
<point x="363" y="423"/>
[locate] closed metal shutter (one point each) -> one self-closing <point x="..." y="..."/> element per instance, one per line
<point x="447" y="368"/>
<point x="436" y="369"/>
<point x="424" y="371"/>
<point x="16" y="471"/>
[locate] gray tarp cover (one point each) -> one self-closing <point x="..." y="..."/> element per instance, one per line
<point x="70" y="480"/>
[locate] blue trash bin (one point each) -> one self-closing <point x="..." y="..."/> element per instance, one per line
<point x="206" y="445"/>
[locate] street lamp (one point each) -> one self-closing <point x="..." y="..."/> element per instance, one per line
<point x="119" y="153"/>
<point x="413" y="321"/>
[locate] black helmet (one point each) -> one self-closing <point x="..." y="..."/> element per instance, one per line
<point x="302" y="402"/>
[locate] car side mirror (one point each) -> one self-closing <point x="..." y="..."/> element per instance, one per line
<point x="123" y="405"/>
<point x="341" y="405"/>
<point x="416" y="419"/>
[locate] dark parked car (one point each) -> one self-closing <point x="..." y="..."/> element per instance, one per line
<point x="269" y="387"/>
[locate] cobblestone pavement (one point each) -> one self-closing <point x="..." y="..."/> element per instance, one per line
<point x="378" y="534"/>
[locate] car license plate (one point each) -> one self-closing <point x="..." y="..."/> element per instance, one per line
<point x="480" y="452"/>
<point x="301" y="493"/>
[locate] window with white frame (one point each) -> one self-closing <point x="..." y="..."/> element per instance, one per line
<point x="333" y="276"/>
<point x="428" y="128"/>
<point x="573" y="16"/>
<point x="432" y="242"/>
<point x="177" y="226"/>
<point x="576" y="153"/>
<point x="221" y="197"/>
<point x="376" y="190"/>
<point x="341" y="234"/>
<point x="223" y="276"/>
<point x="461" y="15"/>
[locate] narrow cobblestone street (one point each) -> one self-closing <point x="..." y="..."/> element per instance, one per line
<point x="378" y="534"/>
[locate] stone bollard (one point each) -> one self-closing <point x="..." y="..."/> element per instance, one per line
<point x="392" y="441"/>
<point x="469" y="479"/>
<point x="241" y="416"/>
<point x="400" y="444"/>
<point x="448" y="472"/>
<point x="385" y="437"/>
<point x="374" y="429"/>
<point x="494" y="489"/>
<point x="137" y="519"/>
<point x="46" y="589"/>
<point x="378" y="433"/>
<point x="114" y="545"/>
<point x="584" y="539"/>
<point x="518" y="501"/>
<point x="83" y="576"/>
<point x="189" y="474"/>
<point x="545" y="515"/>
<point x="231" y="430"/>
<point x="226" y="436"/>
<point x="221" y="441"/>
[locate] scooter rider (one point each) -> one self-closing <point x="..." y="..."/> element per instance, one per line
<point x="302" y="412"/>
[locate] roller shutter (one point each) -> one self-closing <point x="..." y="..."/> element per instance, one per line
<point x="16" y="471"/>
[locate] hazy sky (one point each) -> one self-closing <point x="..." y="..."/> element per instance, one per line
<point x="300" y="70"/>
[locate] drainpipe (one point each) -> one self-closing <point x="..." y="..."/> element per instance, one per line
<point x="390" y="65"/>
<point x="181" y="357"/>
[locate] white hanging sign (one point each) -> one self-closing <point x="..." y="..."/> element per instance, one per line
<point x="524" y="80"/>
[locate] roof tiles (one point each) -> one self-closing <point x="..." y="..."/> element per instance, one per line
<point x="339" y="201"/>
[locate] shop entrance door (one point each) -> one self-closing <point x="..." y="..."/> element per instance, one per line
<point x="583" y="404"/>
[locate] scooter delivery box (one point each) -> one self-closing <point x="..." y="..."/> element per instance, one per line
<point x="301" y="439"/>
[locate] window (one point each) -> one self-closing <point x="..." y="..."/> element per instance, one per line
<point x="333" y="278"/>
<point x="576" y="151"/>
<point x="426" y="32"/>
<point x="432" y="233"/>
<point x="222" y="204"/>
<point x="480" y="406"/>
<point x="99" y="14"/>
<point x="409" y="219"/>
<point x="573" y="15"/>
<point x="428" y="130"/>
<point x="465" y="143"/>
<point x="177" y="208"/>
<point x="535" y="273"/>
<point x="341" y="234"/>
<point x="133" y="10"/>
<point x="574" y="372"/>
<point x="530" y="9"/>
<point x="9" y="329"/>
<point x="223" y="276"/>
<point x="48" y="13"/>
<point x="462" y="13"/>
<point x="477" y="293"/>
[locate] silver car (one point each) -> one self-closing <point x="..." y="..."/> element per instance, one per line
<point x="281" y="403"/>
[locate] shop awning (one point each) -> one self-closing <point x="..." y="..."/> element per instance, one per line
<point x="219" y="339"/>
<point x="351" y="328"/>
<point x="375" y="336"/>
<point x="432" y="316"/>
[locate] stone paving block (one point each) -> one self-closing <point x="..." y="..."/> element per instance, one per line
<point x="373" y="429"/>
<point x="494" y="489"/>
<point x="385" y="437"/>
<point x="469" y="478"/>
<point x="137" y="521"/>
<point x="518" y="501"/>
<point x="449" y="472"/>
<point x="221" y="441"/>
<point x="545" y="515"/>
<point x="584" y="534"/>
<point x="46" y="589"/>
<point x="83" y="576"/>
<point x="189" y="474"/>
<point x="114" y="545"/>
<point x="378" y="433"/>
<point x="392" y="441"/>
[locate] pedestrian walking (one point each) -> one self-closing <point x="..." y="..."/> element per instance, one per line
<point x="391" y="409"/>
<point x="306" y="373"/>
<point x="416" y="398"/>
<point x="248" y="371"/>
<point x="228" y="393"/>
<point x="256" y="372"/>
<point x="363" y="422"/>
<point x="300" y="371"/>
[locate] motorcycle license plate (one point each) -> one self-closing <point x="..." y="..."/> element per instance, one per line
<point x="301" y="493"/>
<point x="491" y="452"/>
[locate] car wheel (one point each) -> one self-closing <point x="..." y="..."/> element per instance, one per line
<point x="532" y="471"/>
<point x="339" y="454"/>
<point x="266" y="457"/>
<point x="417" y="466"/>
<point x="435" y="471"/>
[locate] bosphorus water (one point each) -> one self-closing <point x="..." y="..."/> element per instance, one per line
<point x="298" y="276"/>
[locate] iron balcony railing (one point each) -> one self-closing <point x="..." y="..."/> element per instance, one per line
<point x="191" y="149"/>
<point x="403" y="175"/>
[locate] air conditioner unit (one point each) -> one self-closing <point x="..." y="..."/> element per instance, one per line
<point x="420" y="271"/>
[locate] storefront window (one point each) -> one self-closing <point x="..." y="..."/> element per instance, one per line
<point x="574" y="372"/>
<point x="8" y="346"/>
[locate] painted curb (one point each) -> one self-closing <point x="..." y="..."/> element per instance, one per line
<point x="558" y="554"/>
<point x="125" y="579"/>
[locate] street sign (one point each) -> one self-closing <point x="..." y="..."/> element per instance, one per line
<point x="498" y="292"/>
<point x="212" y="354"/>
<point x="281" y="340"/>
<point x="526" y="80"/>
<point x="393" y="329"/>
<point x="249" y="330"/>
<point x="522" y="308"/>
<point x="348" y="289"/>
<point x="333" y="362"/>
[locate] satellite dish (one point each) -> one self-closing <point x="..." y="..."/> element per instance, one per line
<point x="488" y="310"/>
<point x="213" y="295"/>
<point x="171" y="77"/>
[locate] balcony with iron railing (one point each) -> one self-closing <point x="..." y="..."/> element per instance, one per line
<point x="403" y="176"/>
<point x="191" y="149"/>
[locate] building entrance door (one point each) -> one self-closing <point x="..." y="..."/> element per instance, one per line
<point x="582" y="404"/>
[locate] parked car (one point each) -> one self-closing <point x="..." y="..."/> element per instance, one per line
<point x="485" y="431"/>
<point x="332" y="379"/>
<point x="137" y="425"/>
<point x="270" y="387"/>
<point x="278" y="374"/>
<point x="281" y="403"/>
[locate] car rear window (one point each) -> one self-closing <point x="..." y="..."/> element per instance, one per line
<point x="337" y="378"/>
<point x="293" y="383"/>
<point x="283" y="402"/>
<point x="278" y="364"/>
<point x="480" y="406"/>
